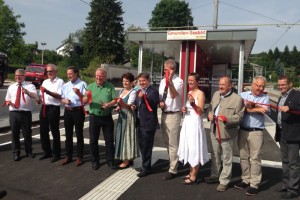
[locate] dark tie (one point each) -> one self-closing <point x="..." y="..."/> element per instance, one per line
<point x="18" y="98"/>
<point x="165" y="94"/>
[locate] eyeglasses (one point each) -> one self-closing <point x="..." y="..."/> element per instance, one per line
<point x="49" y="71"/>
<point x="19" y="75"/>
<point x="259" y="86"/>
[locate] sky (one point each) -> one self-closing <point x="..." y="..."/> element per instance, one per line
<point x="51" y="21"/>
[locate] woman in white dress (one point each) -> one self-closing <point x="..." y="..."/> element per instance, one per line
<point x="192" y="144"/>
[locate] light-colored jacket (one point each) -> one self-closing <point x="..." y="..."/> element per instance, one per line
<point x="232" y="107"/>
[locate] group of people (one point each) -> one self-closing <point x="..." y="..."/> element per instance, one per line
<point x="232" y="117"/>
<point x="241" y="118"/>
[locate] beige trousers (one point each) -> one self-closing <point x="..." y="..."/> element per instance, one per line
<point x="224" y="149"/>
<point x="250" y="144"/>
<point x="170" y="126"/>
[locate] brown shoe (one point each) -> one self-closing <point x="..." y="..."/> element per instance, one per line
<point x="78" y="161"/>
<point x="168" y="176"/>
<point x="67" y="160"/>
<point x="222" y="188"/>
<point x="211" y="179"/>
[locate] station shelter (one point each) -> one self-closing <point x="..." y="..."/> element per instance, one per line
<point x="210" y="53"/>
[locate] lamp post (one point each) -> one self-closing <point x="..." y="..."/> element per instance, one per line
<point x="43" y="44"/>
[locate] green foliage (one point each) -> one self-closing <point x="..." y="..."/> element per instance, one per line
<point x="132" y="49"/>
<point x="73" y="50"/>
<point x="134" y="55"/>
<point x="171" y="14"/>
<point x="279" y="67"/>
<point x="278" y="63"/>
<point x="104" y="32"/>
<point x="62" y="67"/>
<point x="11" y="35"/>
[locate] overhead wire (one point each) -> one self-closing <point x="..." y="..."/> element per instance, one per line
<point x="287" y="29"/>
<point x="252" y="12"/>
<point x="85" y="2"/>
<point x="280" y="24"/>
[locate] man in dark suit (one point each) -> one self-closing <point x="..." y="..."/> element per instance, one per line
<point x="287" y="133"/>
<point x="147" y="101"/>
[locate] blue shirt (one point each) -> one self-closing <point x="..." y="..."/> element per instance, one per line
<point x="68" y="93"/>
<point x="254" y="120"/>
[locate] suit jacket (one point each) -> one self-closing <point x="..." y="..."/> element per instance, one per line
<point x="148" y="120"/>
<point x="232" y="107"/>
<point x="290" y="122"/>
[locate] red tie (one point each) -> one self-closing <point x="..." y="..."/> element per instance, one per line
<point x="17" y="102"/>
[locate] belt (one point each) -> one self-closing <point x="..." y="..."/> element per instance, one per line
<point x="171" y="112"/>
<point x="73" y="108"/>
<point x="107" y="116"/>
<point x="251" y="129"/>
<point x="52" y="105"/>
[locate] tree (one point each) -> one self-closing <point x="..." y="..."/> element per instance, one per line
<point x="279" y="67"/>
<point x="276" y="53"/>
<point x="295" y="59"/>
<point x="270" y="54"/>
<point x="286" y="55"/>
<point x="132" y="49"/>
<point x="11" y="34"/>
<point x="171" y="14"/>
<point x="23" y="54"/>
<point x="104" y="32"/>
<point x="73" y="50"/>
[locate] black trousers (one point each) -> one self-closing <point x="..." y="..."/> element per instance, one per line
<point x="74" y="118"/>
<point x="290" y="164"/>
<point x="146" y="141"/>
<point x="107" y="125"/>
<point x="50" y="122"/>
<point x="21" y="120"/>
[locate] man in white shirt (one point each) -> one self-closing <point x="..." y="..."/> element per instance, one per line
<point x="50" y="92"/>
<point x="18" y="97"/>
<point x="170" y="94"/>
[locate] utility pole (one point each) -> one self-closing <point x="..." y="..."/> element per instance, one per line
<point x="215" y="22"/>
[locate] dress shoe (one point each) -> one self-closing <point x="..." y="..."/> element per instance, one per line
<point x="55" y="158"/>
<point x="289" y="195"/>
<point x="67" y="160"/>
<point x="2" y="194"/>
<point x="111" y="165"/>
<point x="169" y="176"/>
<point x="122" y="166"/>
<point x="78" y="161"/>
<point x="252" y="191"/>
<point x="45" y="156"/>
<point x="139" y="169"/>
<point x="143" y="173"/>
<point x="30" y="155"/>
<point x="222" y="188"/>
<point x="211" y="179"/>
<point x="17" y="157"/>
<point x="125" y="167"/>
<point x="282" y="189"/>
<point x="95" y="165"/>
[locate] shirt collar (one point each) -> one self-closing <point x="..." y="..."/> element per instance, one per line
<point x="287" y="94"/>
<point x="226" y="95"/>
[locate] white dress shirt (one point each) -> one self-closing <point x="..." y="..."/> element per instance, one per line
<point x="53" y="86"/>
<point x="172" y="105"/>
<point x="12" y="94"/>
